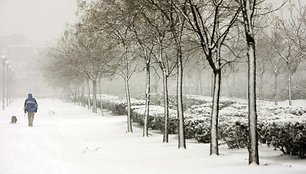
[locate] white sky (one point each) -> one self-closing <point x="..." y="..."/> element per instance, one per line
<point x="41" y="21"/>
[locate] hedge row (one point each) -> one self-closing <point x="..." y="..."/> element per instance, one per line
<point x="290" y="138"/>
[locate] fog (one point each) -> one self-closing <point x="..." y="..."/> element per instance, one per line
<point x="27" y="29"/>
<point x="40" y="21"/>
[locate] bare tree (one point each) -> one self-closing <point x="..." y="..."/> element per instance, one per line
<point x="248" y="10"/>
<point x="146" y="45"/>
<point x="114" y="19"/>
<point x="176" y="24"/>
<point x="291" y="47"/>
<point x="264" y="53"/>
<point x="87" y="52"/>
<point x="295" y="26"/>
<point x="287" y="51"/>
<point x="269" y="59"/>
<point x="211" y="22"/>
<point x="119" y="22"/>
<point x="97" y="56"/>
<point x="155" y="16"/>
<point x="64" y="69"/>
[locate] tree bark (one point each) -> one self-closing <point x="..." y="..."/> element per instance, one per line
<point x="74" y="93"/>
<point x="100" y="94"/>
<point x="128" y="99"/>
<point x="212" y="84"/>
<point x="253" y="143"/>
<point x="166" y="109"/>
<point x="289" y="89"/>
<point x="234" y="85"/>
<point x="94" y="96"/>
<point x="275" y="88"/>
<point x="214" y="149"/>
<point x="88" y="94"/>
<point x="83" y="97"/>
<point x="200" y="82"/>
<point x="261" y="86"/>
<point x="214" y="146"/>
<point x="147" y="110"/>
<point x="248" y="7"/>
<point x="180" y="108"/>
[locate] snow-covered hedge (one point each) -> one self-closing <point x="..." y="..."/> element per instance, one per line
<point x="156" y="118"/>
<point x="198" y="129"/>
<point x="117" y="104"/>
<point x="282" y="127"/>
<point x="290" y="138"/>
<point x="235" y="135"/>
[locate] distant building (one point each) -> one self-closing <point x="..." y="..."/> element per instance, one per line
<point x="27" y="62"/>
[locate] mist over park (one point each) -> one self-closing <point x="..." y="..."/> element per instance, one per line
<point x="153" y="86"/>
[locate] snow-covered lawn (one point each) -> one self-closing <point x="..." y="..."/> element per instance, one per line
<point x="69" y="139"/>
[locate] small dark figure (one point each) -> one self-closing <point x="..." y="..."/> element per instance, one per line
<point x="30" y="106"/>
<point x="14" y="119"/>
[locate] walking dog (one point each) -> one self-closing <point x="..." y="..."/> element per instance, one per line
<point x="14" y="119"/>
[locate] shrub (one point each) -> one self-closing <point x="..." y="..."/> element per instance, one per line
<point x="290" y="138"/>
<point x="235" y="135"/>
<point x="202" y="133"/>
<point x="193" y="127"/>
<point x="116" y="108"/>
<point x="296" y="111"/>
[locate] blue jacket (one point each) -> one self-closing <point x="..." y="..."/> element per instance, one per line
<point x="30" y="104"/>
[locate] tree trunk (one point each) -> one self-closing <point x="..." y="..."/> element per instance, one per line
<point x="80" y="96"/>
<point x="166" y="109"/>
<point x="289" y="89"/>
<point x="212" y="84"/>
<point x="155" y="84"/>
<point x="214" y="149"/>
<point x="100" y="94"/>
<point x="74" y="93"/>
<point x="261" y="86"/>
<point x="147" y="110"/>
<point x="253" y="147"/>
<point x="200" y="83"/>
<point x="275" y="88"/>
<point x="253" y="142"/>
<point x="128" y="99"/>
<point x="180" y="109"/>
<point x="88" y="94"/>
<point x="247" y="11"/>
<point x="233" y="88"/>
<point x="214" y="146"/>
<point x="94" y="96"/>
<point x="83" y="97"/>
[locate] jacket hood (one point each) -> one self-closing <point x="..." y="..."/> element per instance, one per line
<point x="30" y="96"/>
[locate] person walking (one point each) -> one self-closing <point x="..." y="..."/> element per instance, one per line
<point x="30" y="107"/>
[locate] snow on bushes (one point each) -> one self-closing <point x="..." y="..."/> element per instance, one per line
<point x="117" y="104"/>
<point x="282" y="127"/>
<point x="156" y="118"/>
<point x="289" y="137"/>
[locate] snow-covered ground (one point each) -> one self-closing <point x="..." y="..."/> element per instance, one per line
<point x="69" y="139"/>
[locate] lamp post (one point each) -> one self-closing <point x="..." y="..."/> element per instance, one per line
<point x="11" y="85"/>
<point x="8" y="78"/>
<point x="5" y="89"/>
<point x="3" y="58"/>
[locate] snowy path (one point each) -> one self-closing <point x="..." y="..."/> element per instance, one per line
<point x="74" y="141"/>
